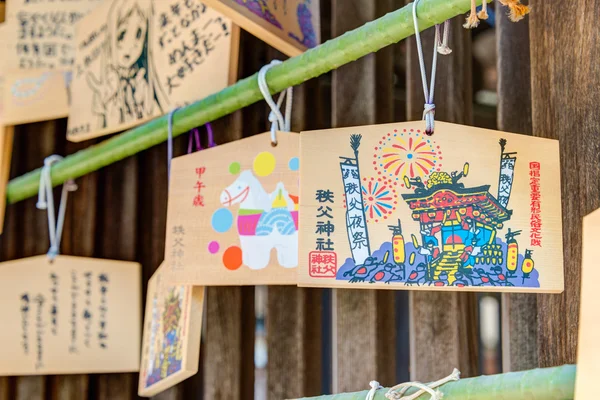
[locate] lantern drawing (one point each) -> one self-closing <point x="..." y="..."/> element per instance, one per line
<point x="512" y="255"/>
<point x="528" y="265"/>
<point x="398" y="243"/>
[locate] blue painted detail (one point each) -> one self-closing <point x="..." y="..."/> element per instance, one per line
<point x="278" y="218"/>
<point x="222" y="220"/>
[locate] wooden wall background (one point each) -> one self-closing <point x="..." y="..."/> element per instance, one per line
<point x="323" y="341"/>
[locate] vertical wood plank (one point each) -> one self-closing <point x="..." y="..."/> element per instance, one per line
<point x="77" y="240"/>
<point x="228" y="344"/>
<point x="565" y="45"/>
<point x="360" y="90"/>
<point x="294" y="315"/>
<point x="519" y="311"/>
<point x="443" y="326"/>
<point x="38" y="141"/>
<point x="117" y="239"/>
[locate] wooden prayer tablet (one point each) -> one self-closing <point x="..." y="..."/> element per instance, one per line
<point x="6" y="143"/>
<point x="388" y="207"/>
<point x="35" y="95"/>
<point x="588" y="367"/>
<point x="73" y="316"/>
<point x="233" y="214"/>
<point x="139" y="59"/>
<point x="172" y="329"/>
<point x="41" y="32"/>
<point x="291" y="26"/>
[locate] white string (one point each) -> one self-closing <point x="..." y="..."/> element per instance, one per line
<point x="278" y="121"/>
<point x="442" y="46"/>
<point x="393" y="395"/>
<point x="429" y="91"/>
<point x="46" y="202"/>
<point x="397" y="392"/>
<point x="170" y="141"/>
<point x="374" y="387"/>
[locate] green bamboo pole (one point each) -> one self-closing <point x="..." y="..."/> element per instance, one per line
<point x="556" y="383"/>
<point x="369" y="38"/>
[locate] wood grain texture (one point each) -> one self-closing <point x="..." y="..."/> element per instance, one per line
<point x="34" y="239"/>
<point x="117" y="239"/>
<point x="362" y="94"/>
<point x="564" y="50"/>
<point x="293" y="316"/>
<point x="443" y="326"/>
<point x="77" y="240"/>
<point x="519" y="311"/>
<point x="228" y="342"/>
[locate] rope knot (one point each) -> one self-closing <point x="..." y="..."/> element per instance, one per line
<point x="52" y="252"/>
<point x="429" y="108"/>
<point x="276" y="118"/>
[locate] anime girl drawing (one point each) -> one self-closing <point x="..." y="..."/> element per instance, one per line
<point x="124" y="91"/>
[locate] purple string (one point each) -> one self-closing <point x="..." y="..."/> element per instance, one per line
<point x="195" y="137"/>
<point x="194" y="134"/>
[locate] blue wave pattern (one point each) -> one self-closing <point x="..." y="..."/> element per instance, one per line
<point x="279" y="218"/>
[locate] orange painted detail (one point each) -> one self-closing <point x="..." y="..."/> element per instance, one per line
<point x="232" y="258"/>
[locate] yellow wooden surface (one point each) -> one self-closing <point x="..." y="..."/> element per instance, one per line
<point x="181" y="306"/>
<point x="34" y="95"/>
<point x="284" y="12"/>
<point x="452" y="147"/>
<point x="177" y="58"/>
<point x="588" y="367"/>
<point x="29" y="28"/>
<point x="70" y="345"/>
<point x="202" y="239"/>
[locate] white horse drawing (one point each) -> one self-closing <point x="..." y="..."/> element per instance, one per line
<point x="265" y="221"/>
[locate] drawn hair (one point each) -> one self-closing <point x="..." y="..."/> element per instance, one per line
<point x="120" y="12"/>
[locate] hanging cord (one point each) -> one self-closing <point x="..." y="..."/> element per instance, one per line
<point x="397" y="392"/>
<point x="46" y="202"/>
<point x="195" y="136"/>
<point x="278" y="122"/>
<point x="441" y="46"/>
<point x="374" y="387"/>
<point x="170" y="141"/>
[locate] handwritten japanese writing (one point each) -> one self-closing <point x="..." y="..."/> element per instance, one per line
<point x="323" y="262"/>
<point x="39" y="329"/>
<point x="535" y="204"/>
<point x="103" y="310"/>
<point x="199" y="198"/>
<point x="25" y="322"/>
<point x="178" y="247"/>
<point x="190" y="39"/>
<point x="87" y="313"/>
<point x="54" y="306"/>
<point x="73" y="319"/>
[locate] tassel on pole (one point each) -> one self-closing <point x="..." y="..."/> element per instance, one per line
<point x="472" y="20"/>
<point x="483" y="14"/>
<point x="517" y="10"/>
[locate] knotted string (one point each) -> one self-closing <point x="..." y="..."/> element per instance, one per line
<point x="46" y="202"/>
<point x="441" y="46"/>
<point x="278" y="122"/>
<point x="374" y="387"/>
<point x="397" y="392"/>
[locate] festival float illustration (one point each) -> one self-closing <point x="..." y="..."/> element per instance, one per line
<point x="165" y="356"/>
<point x="465" y="235"/>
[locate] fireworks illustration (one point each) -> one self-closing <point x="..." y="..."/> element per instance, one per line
<point x="379" y="198"/>
<point x="408" y="153"/>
